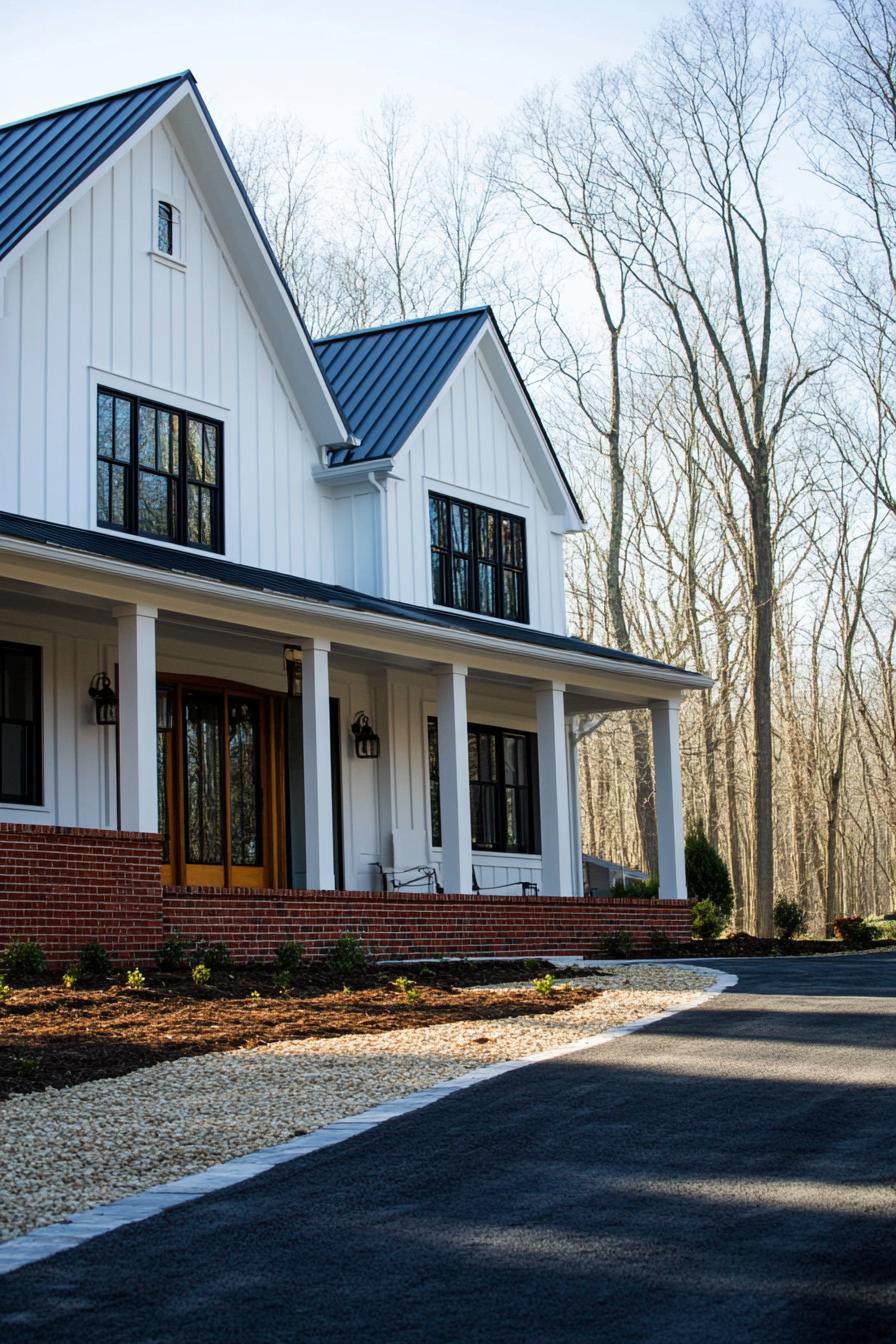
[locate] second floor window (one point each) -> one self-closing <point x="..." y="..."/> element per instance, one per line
<point x="478" y="559"/>
<point x="159" y="471"/>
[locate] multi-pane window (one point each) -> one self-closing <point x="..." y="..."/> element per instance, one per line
<point x="20" y="724"/>
<point x="168" y="229"/>
<point x="158" y="471"/>
<point x="478" y="558"/>
<point x="502" y="788"/>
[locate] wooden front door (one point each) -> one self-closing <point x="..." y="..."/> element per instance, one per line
<point x="220" y="796"/>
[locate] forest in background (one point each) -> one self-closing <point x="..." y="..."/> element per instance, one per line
<point x="693" y="258"/>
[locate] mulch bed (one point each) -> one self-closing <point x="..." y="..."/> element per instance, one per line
<point x="746" y="945"/>
<point x="54" y="1037"/>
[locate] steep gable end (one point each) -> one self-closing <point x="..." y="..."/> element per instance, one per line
<point x="45" y="158"/>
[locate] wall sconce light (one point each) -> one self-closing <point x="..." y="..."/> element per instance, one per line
<point x="292" y="661"/>
<point x="165" y="709"/>
<point x="367" y="744"/>
<point x="105" y="701"/>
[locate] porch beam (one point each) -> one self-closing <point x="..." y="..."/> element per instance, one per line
<point x="669" y="812"/>
<point x="454" y="780"/>
<point x="138" y="787"/>
<point x="320" y="869"/>
<point x="557" y="873"/>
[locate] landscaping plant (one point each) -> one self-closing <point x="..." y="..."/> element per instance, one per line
<point x="283" y="984"/>
<point x="136" y="979"/>
<point x="201" y="975"/>
<point x="790" y="919"/>
<point x="214" y="955"/>
<point x="545" y="985"/>
<point x="636" y="886"/>
<point x="618" y="944"/>
<point x="24" y="959"/>
<point x="347" y="955"/>
<point x="706" y="873"/>
<point x="94" y="961"/>
<point x="854" y="931"/>
<point x="5" y="989"/>
<point x="172" y="955"/>
<point x="660" y="942"/>
<point x="69" y="978"/>
<point x="707" y="921"/>
<point x="288" y="957"/>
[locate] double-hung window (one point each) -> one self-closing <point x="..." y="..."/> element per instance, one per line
<point x="478" y="558"/>
<point x="20" y="724"/>
<point x="502" y="788"/>
<point x="159" y="471"/>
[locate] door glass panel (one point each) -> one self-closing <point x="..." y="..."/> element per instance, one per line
<point x="203" y="724"/>
<point x="162" y="740"/>
<point x="245" y="791"/>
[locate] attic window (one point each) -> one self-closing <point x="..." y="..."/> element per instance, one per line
<point x="168" y="229"/>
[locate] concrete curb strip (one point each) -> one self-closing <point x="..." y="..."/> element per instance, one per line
<point x="81" y="1227"/>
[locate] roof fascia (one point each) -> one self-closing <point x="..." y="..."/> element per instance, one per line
<point x="86" y="184"/>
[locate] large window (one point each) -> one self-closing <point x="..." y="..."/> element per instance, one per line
<point x="502" y="788"/>
<point x="159" y="471"/>
<point x="478" y="559"/>
<point x="20" y="724"/>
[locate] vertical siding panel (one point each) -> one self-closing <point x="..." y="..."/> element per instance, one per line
<point x="10" y="386"/>
<point x="142" y="267"/>
<point x="57" y="391"/>
<point x="101" y="270"/>
<point x="81" y="469"/>
<point x="32" y="493"/>
<point x="122" y="261"/>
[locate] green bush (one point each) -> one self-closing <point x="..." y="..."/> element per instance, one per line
<point x="854" y="931"/>
<point x="214" y="955"/>
<point x="790" y="919"/>
<point x="94" y="961"/>
<point x="707" y="920"/>
<point x="24" y="959"/>
<point x="201" y="975"/>
<point x="545" y="985"/>
<point x="347" y="956"/>
<point x="883" y="927"/>
<point x="660" y="942"/>
<point x="172" y="955"/>
<point x="706" y="872"/>
<point x="288" y="957"/>
<point x="135" y="979"/>
<point x="618" y="944"/>
<point x="70" y="978"/>
<point x="636" y="886"/>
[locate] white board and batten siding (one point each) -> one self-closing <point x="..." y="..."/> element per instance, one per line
<point x="466" y="446"/>
<point x="89" y="303"/>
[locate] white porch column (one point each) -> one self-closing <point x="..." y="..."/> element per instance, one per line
<point x="320" y="871"/>
<point x="557" y="875"/>
<point x="454" y="781"/>
<point x="138" y="786"/>
<point x="669" y="819"/>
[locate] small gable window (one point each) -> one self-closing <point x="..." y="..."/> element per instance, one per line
<point x="478" y="558"/>
<point x="168" y="229"/>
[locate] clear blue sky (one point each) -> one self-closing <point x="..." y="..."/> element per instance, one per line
<point x="325" y="62"/>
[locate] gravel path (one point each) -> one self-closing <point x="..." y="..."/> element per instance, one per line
<point x="70" y="1149"/>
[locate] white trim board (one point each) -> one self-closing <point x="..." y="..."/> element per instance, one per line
<point x="81" y="1227"/>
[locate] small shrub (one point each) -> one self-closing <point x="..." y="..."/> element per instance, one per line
<point x="854" y="931"/>
<point x="403" y="983"/>
<point x="172" y="955"/>
<point x="706" y="872"/>
<point x="636" y="886"/>
<point x="347" y="955"/>
<point x="707" y="920"/>
<point x="660" y="942"/>
<point x="26" y="1066"/>
<point x="412" y="995"/>
<point x="70" y="978"/>
<point x="283" y="984"/>
<point x="201" y="975"/>
<point x="790" y="919"/>
<point x="136" y="979"/>
<point x="94" y="961"/>
<point x="254" y="996"/>
<point x="531" y="965"/>
<point x="347" y="989"/>
<point x="214" y="955"/>
<point x="884" y="927"/>
<point x="25" y="959"/>
<point x="618" y="944"/>
<point x="545" y="985"/>
<point x="288" y="957"/>
<point x="5" y="989"/>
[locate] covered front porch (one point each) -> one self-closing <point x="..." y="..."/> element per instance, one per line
<point x="472" y="786"/>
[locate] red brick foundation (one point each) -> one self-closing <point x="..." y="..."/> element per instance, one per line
<point x="66" y="886"/>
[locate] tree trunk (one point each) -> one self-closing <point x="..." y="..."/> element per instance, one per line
<point x="761" y="652"/>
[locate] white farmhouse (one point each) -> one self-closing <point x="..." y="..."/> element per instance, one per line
<point x="296" y="606"/>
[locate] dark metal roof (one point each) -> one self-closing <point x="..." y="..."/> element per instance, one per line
<point x="46" y="157"/>
<point x="136" y="552"/>
<point x="386" y="378"/>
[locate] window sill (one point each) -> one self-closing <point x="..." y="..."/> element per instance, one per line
<point x="483" y="616"/>
<point x="165" y="260"/>
<point x="179" y="547"/>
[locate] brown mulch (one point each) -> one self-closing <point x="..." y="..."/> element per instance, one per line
<point x="54" y="1037"/>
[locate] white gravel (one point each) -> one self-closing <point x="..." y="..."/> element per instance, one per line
<point x="68" y="1149"/>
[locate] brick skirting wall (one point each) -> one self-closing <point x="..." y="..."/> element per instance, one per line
<point x="66" y="886"/>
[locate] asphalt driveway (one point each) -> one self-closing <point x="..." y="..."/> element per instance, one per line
<point x="726" y="1175"/>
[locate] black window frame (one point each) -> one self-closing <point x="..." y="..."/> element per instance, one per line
<point x="34" y="793"/>
<point x="448" y="557"/>
<point x="499" y="785"/>
<point x="187" y="486"/>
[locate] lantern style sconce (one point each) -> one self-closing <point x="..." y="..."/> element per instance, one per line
<point x="367" y="744"/>
<point x="105" y="701"/>
<point x="165" y="709"/>
<point x="292" y="661"/>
